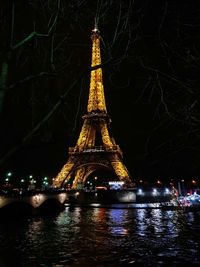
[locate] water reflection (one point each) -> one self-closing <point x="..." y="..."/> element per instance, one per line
<point x="141" y="221"/>
<point x="118" y="222"/>
<point x="102" y="237"/>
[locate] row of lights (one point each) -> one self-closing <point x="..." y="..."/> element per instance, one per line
<point x="45" y="180"/>
<point x="154" y="191"/>
<point x="193" y="181"/>
<point x="31" y="180"/>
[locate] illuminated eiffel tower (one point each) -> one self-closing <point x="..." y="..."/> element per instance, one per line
<point x="96" y="149"/>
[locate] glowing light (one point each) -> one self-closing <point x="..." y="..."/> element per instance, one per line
<point x="62" y="197"/>
<point x="155" y="192"/>
<point x="140" y="192"/>
<point x="167" y="191"/>
<point x="95" y="204"/>
<point x="37" y="200"/>
<point x="115" y="183"/>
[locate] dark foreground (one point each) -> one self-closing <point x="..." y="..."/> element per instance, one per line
<point x="85" y="237"/>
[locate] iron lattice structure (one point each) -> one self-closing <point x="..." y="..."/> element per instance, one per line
<point x="95" y="149"/>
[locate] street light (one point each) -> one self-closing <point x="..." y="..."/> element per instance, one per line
<point x="155" y="192"/>
<point x="45" y="182"/>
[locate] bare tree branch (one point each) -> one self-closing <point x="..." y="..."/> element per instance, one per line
<point x="174" y="79"/>
<point x="37" y="34"/>
<point x="31" y="77"/>
<point x="48" y="115"/>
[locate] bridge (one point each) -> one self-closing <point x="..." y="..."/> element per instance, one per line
<point x="33" y="202"/>
<point x="49" y="201"/>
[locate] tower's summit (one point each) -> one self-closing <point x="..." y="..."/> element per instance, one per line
<point x="96" y="100"/>
<point x="96" y="149"/>
<point x="95" y="31"/>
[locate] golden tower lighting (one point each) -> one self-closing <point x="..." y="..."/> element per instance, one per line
<point x="95" y="149"/>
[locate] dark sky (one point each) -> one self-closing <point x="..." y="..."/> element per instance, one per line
<point x="151" y="81"/>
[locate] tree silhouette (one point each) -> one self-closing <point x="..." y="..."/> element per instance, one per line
<point x="150" y="61"/>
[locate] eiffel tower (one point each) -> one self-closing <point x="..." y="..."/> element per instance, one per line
<point x="96" y="149"/>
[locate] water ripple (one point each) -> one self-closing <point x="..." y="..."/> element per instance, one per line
<point x="102" y="237"/>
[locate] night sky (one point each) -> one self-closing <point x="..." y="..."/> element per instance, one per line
<point x="151" y="66"/>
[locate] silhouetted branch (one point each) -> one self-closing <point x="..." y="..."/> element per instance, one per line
<point x="170" y="77"/>
<point x="48" y="115"/>
<point x="30" y="78"/>
<point x="34" y="34"/>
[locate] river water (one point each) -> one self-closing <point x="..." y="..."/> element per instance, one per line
<point x="98" y="236"/>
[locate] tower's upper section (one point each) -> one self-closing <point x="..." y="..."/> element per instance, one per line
<point x="96" y="101"/>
